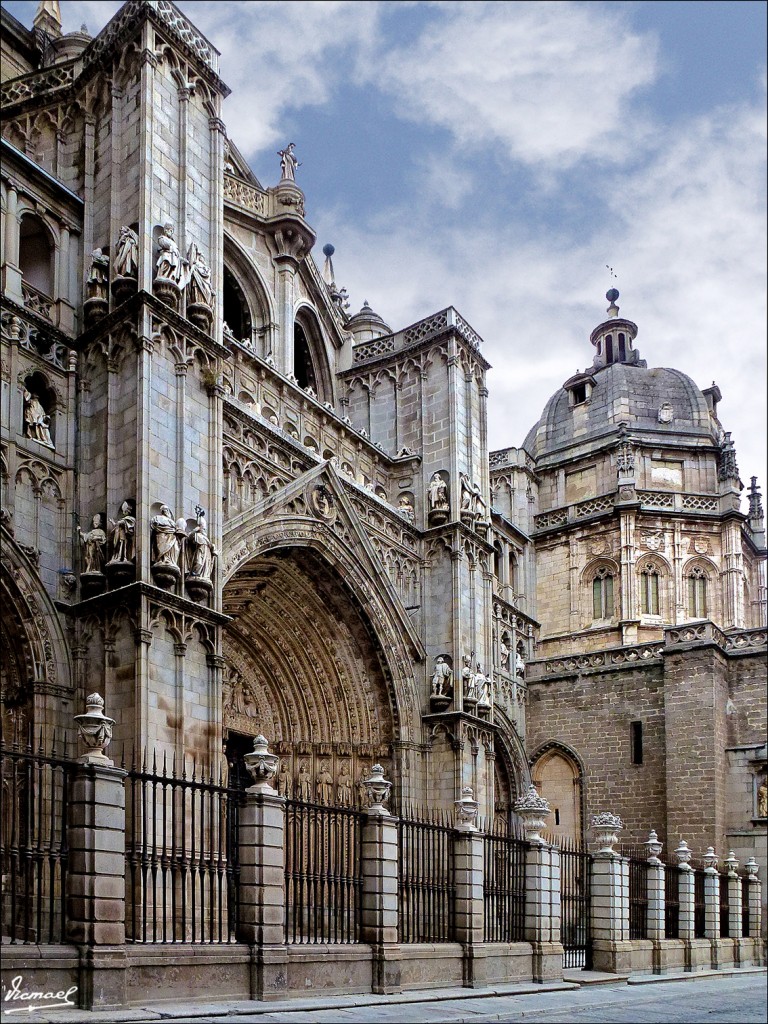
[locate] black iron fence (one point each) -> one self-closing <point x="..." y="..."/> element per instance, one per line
<point x="638" y="898"/>
<point x="672" y="877"/>
<point x="33" y="843"/>
<point x="181" y="854"/>
<point x="323" y="873"/>
<point x="426" y="893"/>
<point x="504" y="888"/>
<point x="745" y="906"/>
<point x="575" y="905"/>
<point x="725" y="922"/>
<point x="699" y="905"/>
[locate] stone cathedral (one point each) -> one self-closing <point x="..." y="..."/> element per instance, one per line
<point x="232" y="506"/>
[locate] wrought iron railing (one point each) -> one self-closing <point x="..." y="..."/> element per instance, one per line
<point x="725" y="921"/>
<point x="33" y="842"/>
<point x="638" y="898"/>
<point x="699" y="905"/>
<point x="426" y="893"/>
<point x="672" y="877"/>
<point x="504" y="888"/>
<point x="181" y="853"/>
<point x="323" y="873"/>
<point x="745" y="906"/>
<point x="575" y="904"/>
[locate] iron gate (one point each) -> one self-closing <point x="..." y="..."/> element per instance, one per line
<point x="576" y="906"/>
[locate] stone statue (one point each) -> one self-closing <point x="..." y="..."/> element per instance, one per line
<point x="762" y="799"/>
<point x="472" y="503"/>
<point x="304" y="784"/>
<point x="166" y="542"/>
<point x="94" y="544"/>
<point x="126" y="262"/>
<point x="362" y="791"/>
<point x="200" y="550"/>
<point x="98" y="275"/>
<point x="438" y="494"/>
<point x="441" y="678"/>
<point x="481" y="685"/>
<point x="519" y="665"/>
<point x="124" y="534"/>
<point x="169" y="262"/>
<point x="405" y="508"/>
<point x="288" y="162"/>
<point x="505" y="656"/>
<point x="36" y="420"/>
<point x="344" y="787"/>
<point x="470" y="692"/>
<point x="284" y="780"/>
<point x="324" y="784"/>
<point x="199" y="274"/>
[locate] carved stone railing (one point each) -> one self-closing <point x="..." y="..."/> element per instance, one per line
<point x="37" y="83"/>
<point x="37" y="301"/>
<point x="694" y="632"/>
<point x="545" y="521"/>
<point x="638" y="653"/>
<point x="745" y="639"/>
<point x="594" y="507"/>
<point x="430" y="327"/>
<point x="700" y="503"/>
<point x="426" y="328"/>
<point x="656" y="499"/>
<point x="242" y="193"/>
<point x="371" y="349"/>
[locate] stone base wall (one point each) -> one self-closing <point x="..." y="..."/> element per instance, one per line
<point x="668" y="956"/>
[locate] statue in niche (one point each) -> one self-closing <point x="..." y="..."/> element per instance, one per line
<point x="169" y="263"/>
<point x="519" y="665"/>
<point x="441" y="678"/>
<point x="94" y="544"/>
<point x="123" y="535"/>
<point x="324" y="784"/>
<point x="472" y="503"/>
<point x="199" y="289"/>
<point x="126" y="263"/>
<point x="36" y="420"/>
<point x="304" y="783"/>
<point x="98" y="275"/>
<point x="481" y="685"/>
<point x="288" y="162"/>
<point x="762" y="799"/>
<point x="344" y="787"/>
<point x="468" y="677"/>
<point x="438" y="494"/>
<point x="284" y="780"/>
<point x="166" y="542"/>
<point x="200" y="550"/>
<point x="362" y="791"/>
<point x="405" y="507"/>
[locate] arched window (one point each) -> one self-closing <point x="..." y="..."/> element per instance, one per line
<point x="650" y="603"/>
<point x="557" y="776"/>
<point x="602" y="594"/>
<point x="303" y="367"/>
<point x="36" y="254"/>
<point x="697" y="593"/>
<point x="514" y="581"/>
<point x="237" y="315"/>
<point x="622" y="347"/>
<point x="497" y="561"/>
<point x="609" y="349"/>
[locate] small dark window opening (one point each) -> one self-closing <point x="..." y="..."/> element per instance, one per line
<point x="557" y="815"/>
<point x="622" y="347"/>
<point x="236" y="314"/>
<point x="303" y="369"/>
<point x="36" y="255"/>
<point x="636" y="735"/>
<point x="579" y="394"/>
<point x="609" y="349"/>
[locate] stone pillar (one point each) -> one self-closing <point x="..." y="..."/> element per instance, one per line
<point x="611" y="949"/>
<point x="655" y="891"/>
<point x="379" y="869"/>
<point x="542" y="889"/>
<point x="262" y="876"/>
<point x="11" y="272"/>
<point x="755" y="910"/>
<point x="733" y="882"/>
<point x="686" y="892"/>
<point x="712" y="910"/>
<point x="95" y="884"/>
<point x="468" y="870"/>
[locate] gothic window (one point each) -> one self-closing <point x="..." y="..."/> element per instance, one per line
<point x="649" y="590"/>
<point x="497" y="561"/>
<point x="609" y="349"/>
<point x="303" y="367"/>
<point x="514" y="580"/>
<point x="622" y="347"/>
<point x="237" y="315"/>
<point x="697" y="593"/>
<point x="36" y="254"/>
<point x="602" y="594"/>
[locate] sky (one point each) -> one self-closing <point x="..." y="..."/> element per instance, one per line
<point x="500" y="157"/>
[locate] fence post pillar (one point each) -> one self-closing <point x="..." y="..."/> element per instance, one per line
<point x="712" y="904"/>
<point x="656" y="896"/>
<point x="611" y="949"/>
<point x="734" y="909"/>
<point x="468" y="879"/>
<point x="261" y="919"/>
<point x="755" y="910"/>
<point x="379" y="870"/>
<point x="95" y="885"/>
<point x="686" y="881"/>
<point x="542" y="889"/>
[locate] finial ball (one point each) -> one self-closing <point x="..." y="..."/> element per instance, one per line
<point x="612" y="294"/>
<point x="328" y="249"/>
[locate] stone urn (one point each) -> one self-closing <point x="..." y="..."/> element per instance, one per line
<point x="654" y="847"/>
<point x="377" y="789"/>
<point x="124" y="287"/>
<point x="605" y="829"/>
<point x="731" y="865"/>
<point x="200" y="315"/>
<point x="167" y="291"/>
<point x="95" y="731"/>
<point x="533" y="809"/>
<point x="684" y="854"/>
<point x="466" y="810"/>
<point x="260" y="764"/>
<point x="710" y="859"/>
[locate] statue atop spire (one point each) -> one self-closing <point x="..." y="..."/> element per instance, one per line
<point x="48" y="18"/>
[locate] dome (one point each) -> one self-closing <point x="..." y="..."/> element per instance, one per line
<point x="366" y="325"/>
<point x="658" y="401"/>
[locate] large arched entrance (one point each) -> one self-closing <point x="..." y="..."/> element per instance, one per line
<point x="305" y="668"/>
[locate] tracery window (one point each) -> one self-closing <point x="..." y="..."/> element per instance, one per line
<point x="602" y="594"/>
<point x="649" y="590"/>
<point x="697" y="593"/>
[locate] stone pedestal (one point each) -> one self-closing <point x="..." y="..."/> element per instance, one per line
<point x="611" y="949"/>
<point x="469" y="909"/>
<point x="379" y="868"/>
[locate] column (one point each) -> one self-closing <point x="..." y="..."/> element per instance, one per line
<point x="733" y="882"/>
<point x="468" y="869"/>
<point x="686" y="894"/>
<point x="95" y="883"/>
<point x="379" y="869"/>
<point x="610" y="898"/>
<point x="656" y="921"/>
<point x="542" y="889"/>
<point x="755" y="910"/>
<point x="712" y="905"/>
<point x="11" y="271"/>
<point x="262" y="876"/>
<point x="286" y="274"/>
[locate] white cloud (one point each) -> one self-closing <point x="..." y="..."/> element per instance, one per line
<point x="548" y="83"/>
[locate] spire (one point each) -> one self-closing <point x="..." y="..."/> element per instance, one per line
<point x="48" y="18"/>
<point x="328" y="275"/>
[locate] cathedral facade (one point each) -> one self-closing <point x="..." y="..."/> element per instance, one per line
<point x="233" y="508"/>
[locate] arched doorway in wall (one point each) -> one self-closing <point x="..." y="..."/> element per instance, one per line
<point x="557" y="774"/>
<point x="310" y="360"/>
<point x="305" y="668"/>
